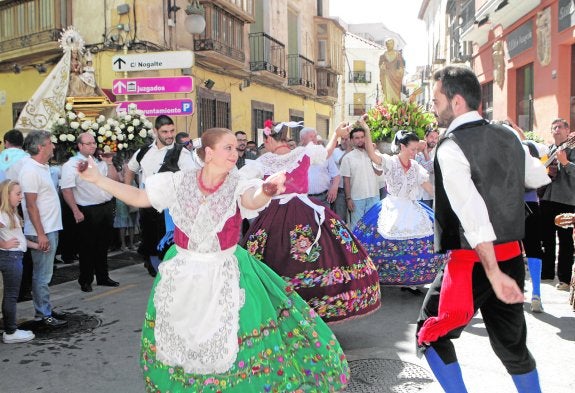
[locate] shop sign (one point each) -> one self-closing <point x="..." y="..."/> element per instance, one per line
<point x="566" y="16"/>
<point x="520" y="39"/>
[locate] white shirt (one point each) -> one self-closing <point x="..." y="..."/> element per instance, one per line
<point x="35" y="179"/>
<point x="7" y="234"/>
<point x="337" y="155"/>
<point x="320" y="176"/>
<point x="153" y="160"/>
<point x="85" y="193"/>
<point x="463" y="196"/>
<point x="363" y="181"/>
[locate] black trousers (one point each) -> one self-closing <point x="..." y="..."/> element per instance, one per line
<point x="505" y="323"/>
<point x="95" y="234"/>
<point x="533" y="232"/>
<point x="153" y="227"/>
<point x="565" y="258"/>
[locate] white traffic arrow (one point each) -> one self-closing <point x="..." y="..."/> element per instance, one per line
<point x="119" y="86"/>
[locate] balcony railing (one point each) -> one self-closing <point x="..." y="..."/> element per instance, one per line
<point x="224" y="34"/>
<point x="326" y="83"/>
<point x="360" y="76"/>
<point x="267" y="54"/>
<point x="301" y="71"/>
<point x="358" y="109"/>
<point x="27" y="23"/>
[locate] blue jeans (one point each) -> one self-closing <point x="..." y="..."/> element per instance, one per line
<point x="11" y="268"/>
<point x="361" y="207"/>
<point x="43" y="265"/>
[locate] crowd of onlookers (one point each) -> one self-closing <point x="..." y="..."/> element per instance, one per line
<point x="63" y="218"/>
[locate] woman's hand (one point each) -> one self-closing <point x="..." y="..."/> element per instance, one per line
<point x="88" y="170"/>
<point x="274" y="185"/>
<point x="342" y="130"/>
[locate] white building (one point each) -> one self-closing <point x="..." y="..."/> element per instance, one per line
<point x="360" y="89"/>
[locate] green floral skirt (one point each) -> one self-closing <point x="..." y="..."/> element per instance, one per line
<point x="283" y="345"/>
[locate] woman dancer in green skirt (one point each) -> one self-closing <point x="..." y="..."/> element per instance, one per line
<point x="218" y="320"/>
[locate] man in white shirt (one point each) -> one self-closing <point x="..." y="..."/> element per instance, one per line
<point x="93" y="212"/>
<point x="161" y="155"/>
<point x="42" y="220"/>
<point x="425" y="159"/>
<point x="479" y="218"/>
<point x="359" y="178"/>
<point x="323" y="179"/>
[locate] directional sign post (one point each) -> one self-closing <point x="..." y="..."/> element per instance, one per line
<point x="127" y="86"/>
<point x="180" y="107"/>
<point x="153" y="61"/>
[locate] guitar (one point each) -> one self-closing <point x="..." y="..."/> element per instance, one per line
<point x="569" y="143"/>
<point x="565" y="220"/>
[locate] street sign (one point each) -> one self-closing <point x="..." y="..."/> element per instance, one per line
<point x="179" y="107"/>
<point x="153" y="61"/>
<point x="178" y="84"/>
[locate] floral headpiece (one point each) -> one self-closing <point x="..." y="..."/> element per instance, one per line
<point x="271" y="129"/>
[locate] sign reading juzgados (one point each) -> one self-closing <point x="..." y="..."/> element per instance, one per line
<point x="178" y="84"/>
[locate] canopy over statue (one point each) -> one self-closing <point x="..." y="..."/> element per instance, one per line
<point x="391" y="69"/>
<point x="73" y="76"/>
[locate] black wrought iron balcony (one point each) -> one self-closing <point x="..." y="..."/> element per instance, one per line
<point x="267" y="54"/>
<point x="301" y="71"/>
<point x="360" y="77"/>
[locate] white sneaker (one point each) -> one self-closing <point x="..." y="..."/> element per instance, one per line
<point x="19" y="336"/>
<point x="536" y="305"/>
<point x="562" y="286"/>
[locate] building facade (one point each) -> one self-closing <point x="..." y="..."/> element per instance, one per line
<point x="523" y="52"/>
<point x="255" y="60"/>
<point x="360" y="90"/>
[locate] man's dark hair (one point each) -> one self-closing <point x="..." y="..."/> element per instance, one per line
<point x="239" y="133"/>
<point x="180" y="136"/>
<point x="431" y="128"/>
<point x="14" y="137"/>
<point x="460" y="80"/>
<point x="357" y="129"/>
<point x="162" y="120"/>
<point x="252" y="143"/>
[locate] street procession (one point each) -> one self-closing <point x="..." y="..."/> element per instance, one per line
<point x="245" y="196"/>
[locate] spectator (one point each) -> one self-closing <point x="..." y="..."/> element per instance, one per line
<point x="42" y="221"/>
<point x="558" y="197"/>
<point x="425" y="159"/>
<point x="13" y="244"/>
<point x="161" y="156"/>
<point x="323" y="178"/>
<point x="243" y="153"/>
<point x="339" y="205"/>
<point x="93" y="212"/>
<point x="183" y="138"/>
<point x="359" y="177"/>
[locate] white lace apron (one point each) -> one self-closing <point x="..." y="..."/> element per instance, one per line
<point x="402" y="218"/>
<point x="198" y="300"/>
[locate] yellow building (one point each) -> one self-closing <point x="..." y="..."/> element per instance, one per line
<point x="255" y="60"/>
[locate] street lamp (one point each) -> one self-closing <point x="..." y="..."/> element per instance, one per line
<point x="195" y="22"/>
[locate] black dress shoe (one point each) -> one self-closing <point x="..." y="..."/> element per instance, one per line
<point x="52" y="322"/>
<point x="109" y="283"/>
<point x="86" y="287"/>
<point x="59" y="315"/>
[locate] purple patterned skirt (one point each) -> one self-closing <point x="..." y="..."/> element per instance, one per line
<point x="399" y="262"/>
<point x="334" y="275"/>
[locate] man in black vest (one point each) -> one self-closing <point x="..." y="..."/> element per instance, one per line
<point x="481" y="172"/>
<point x="162" y="155"/>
